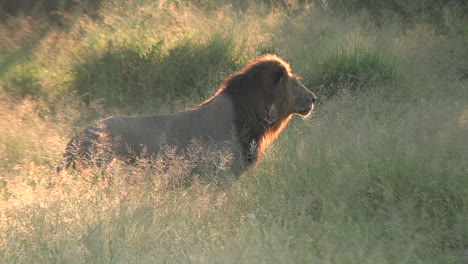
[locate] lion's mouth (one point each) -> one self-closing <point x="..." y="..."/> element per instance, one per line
<point x="307" y="111"/>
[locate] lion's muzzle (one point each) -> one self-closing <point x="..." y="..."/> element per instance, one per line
<point x="304" y="99"/>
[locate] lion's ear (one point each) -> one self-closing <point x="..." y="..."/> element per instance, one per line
<point x="280" y="73"/>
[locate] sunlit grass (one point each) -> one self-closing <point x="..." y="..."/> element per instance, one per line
<point x="378" y="174"/>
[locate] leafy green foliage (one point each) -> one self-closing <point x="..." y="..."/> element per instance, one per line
<point x="431" y="11"/>
<point x="356" y="68"/>
<point x="23" y="80"/>
<point x="377" y="174"/>
<point x="126" y="75"/>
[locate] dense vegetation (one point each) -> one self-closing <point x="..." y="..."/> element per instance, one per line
<point x="379" y="173"/>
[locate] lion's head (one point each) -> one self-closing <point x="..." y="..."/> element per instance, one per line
<point x="265" y="95"/>
<point x="276" y="85"/>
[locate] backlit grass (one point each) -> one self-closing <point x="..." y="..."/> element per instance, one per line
<point x="378" y="174"/>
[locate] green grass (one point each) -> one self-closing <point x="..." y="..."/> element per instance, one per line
<point x="378" y="174"/>
<point x="353" y="68"/>
<point x="128" y="75"/>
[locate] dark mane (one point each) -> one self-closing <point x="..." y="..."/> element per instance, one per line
<point x="258" y="120"/>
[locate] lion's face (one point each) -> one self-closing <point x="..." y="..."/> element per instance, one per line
<point x="290" y="95"/>
<point x="267" y="85"/>
<point x="302" y="99"/>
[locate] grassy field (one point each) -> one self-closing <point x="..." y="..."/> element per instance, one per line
<point x="378" y="174"/>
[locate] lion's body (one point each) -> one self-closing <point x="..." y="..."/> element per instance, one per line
<point x="210" y="122"/>
<point x="246" y="114"/>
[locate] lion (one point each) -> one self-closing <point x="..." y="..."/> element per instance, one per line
<point x="246" y="114"/>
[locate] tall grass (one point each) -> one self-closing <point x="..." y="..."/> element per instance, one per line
<point x="378" y="174"/>
<point x="435" y="12"/>
<point x="127" y="75"/>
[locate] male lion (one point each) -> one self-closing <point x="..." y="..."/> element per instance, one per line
<point x="247" y="113"/>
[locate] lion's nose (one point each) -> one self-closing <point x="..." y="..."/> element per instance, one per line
<point x="313" y="97"/>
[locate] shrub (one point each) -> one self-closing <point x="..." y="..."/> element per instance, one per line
<point x="431" y="11"/>
<point x="354" y="68"/>
<point x="193" y="68"/>
<point x="120" y="75"/>
<point x="23" y="80"/>
<point x="132" y="75"/>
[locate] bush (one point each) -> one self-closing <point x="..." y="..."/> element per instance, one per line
<point x="195" y="69"/>
<point x="354" y="68"/>
<point x="120" y="75"/>
<point x="56" y="10"/>
<point x="245" y="5"/>
<point x="23" y="80"/>
<point x="132" y="76"/>
<point x="431" y="11"/>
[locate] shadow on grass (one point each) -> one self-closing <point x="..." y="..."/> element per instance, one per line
<point x="353" y="69"/>
<point x="18" y="75"/>
<point x="122" y="76"/>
